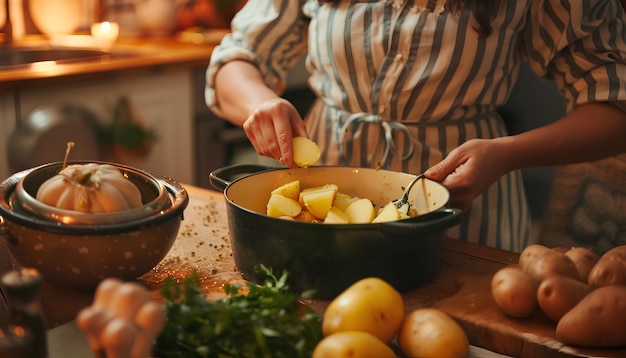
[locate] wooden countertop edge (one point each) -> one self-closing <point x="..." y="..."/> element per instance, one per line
<point x="136" y="56"/>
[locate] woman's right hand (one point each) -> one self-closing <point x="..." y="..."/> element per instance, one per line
<point x="271" y="128"/>
<point x="270" y="122"/>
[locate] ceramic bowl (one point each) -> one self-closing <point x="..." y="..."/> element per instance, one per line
<point x="56" y="17"/>
<point x="82" y="254"/>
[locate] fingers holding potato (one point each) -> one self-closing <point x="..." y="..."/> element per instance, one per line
<point x="305" y="152"/>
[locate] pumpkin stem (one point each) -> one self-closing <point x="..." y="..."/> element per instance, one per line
<point x="83" y="177"/>
<point x="68" y="149"/>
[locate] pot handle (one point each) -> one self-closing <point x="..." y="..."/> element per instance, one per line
<point x="222" y="177"/>
<point x="444" y="218"/>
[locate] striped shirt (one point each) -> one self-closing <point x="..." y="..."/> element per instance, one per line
<point x="400" y="83"/>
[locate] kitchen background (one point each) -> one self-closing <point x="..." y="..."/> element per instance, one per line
<point x="186" y="140"/>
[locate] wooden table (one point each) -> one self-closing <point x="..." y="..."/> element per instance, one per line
<point x="461" y="288"/>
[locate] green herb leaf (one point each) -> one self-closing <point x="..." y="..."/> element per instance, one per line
<point x="268" y="321"/>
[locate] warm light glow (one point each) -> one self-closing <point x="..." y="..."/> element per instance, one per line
<point x="43" y="66"/>
<point x="106" y="31"/>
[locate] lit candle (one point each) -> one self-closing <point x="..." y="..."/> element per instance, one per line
<point x="106" y="31"/>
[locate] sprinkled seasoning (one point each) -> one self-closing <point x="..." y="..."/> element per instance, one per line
<point x="203" y="245"/>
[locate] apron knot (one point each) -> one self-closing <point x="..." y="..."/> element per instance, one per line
<point x="388" y="128"/>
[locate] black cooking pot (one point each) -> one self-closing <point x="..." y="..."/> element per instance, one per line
<point x="328" y="258"/>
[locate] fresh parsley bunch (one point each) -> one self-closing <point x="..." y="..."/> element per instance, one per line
<point x="267" y="321"/>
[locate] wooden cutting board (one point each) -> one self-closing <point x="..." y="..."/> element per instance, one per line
<point x="486" y="326"/>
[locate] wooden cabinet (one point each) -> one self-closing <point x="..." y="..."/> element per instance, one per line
<point x="162" y="99"/>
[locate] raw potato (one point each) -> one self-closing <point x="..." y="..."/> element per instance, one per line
<point x="610" y="268"/>
<point x="584" y="259"/>
<point x="279" y="205"/>
<point x="336" y="216"/>
<point x="557" y="295"/>
<point x="361" y="211"/>
<point x="318" y="202"/>
<point x="429" y="332"/>
<point x="389" y="212"/>
<point x="290" y="190"/>
<point x="343" y="200"/>
<point x="352" y="344"/>
<point x="305" y="152"/>
<point x="597" y="321"/>
<point x="332" y="187"/>
<point x="514" y="291"/>
<point x="541" y="262"/>
<point x="369" y="305"/>
<point x="306" y="216"/>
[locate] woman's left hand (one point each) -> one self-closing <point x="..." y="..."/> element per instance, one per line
<point x="470" y="169"/>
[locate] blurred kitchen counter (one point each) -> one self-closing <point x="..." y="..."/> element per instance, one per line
<point x="127" y="56"/>
<point x="162" y="77"/>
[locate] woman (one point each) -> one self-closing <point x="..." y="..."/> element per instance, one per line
<point x="413" y="86"/>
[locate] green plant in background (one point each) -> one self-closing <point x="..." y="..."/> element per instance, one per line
<point x="126" y="129"/>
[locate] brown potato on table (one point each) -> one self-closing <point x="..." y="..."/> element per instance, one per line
<point x="597" y="321"/>
<point x="350" y="344"/>
<point x="542" y="262"/>
<point x="514" y="291"/>
<point x="619" y="251"/>
<point x="430" y="332"/>
<point x="557" y="295"/>
<point x="560" y="249"/>
<point x="584" y="259"/>
<point x="610" y="268"/>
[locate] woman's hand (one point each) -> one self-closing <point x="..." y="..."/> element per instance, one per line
<point x="589" y="132"/>
<point x="270" y="122"/>
<point x="271" y="128"/>
<point x="470" y="169"/>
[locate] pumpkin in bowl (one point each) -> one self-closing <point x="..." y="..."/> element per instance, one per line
<point x="90" y="187"/>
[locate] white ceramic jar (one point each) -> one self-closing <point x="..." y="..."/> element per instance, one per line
<point x="157" y="18"/>
<point x="56" y="17"/>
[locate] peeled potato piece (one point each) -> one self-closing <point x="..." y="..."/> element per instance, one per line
<point x="361" y="211"/>
<point x="305" y="152"/>
<point x="290" y="190"/>
<point x="389" y="212"/>
<point x="336" y="216"/>
<point x="318" y="202"/>
<point x="280" y="205"/>
<point x="342" y="201"/>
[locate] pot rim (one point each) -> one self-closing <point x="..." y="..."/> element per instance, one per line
<point x="247" y="170"/>
<point x="176" y="195"/>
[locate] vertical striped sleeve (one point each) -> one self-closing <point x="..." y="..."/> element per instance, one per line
<point x="272" y="34"/>
<point x="583" y="44"/>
